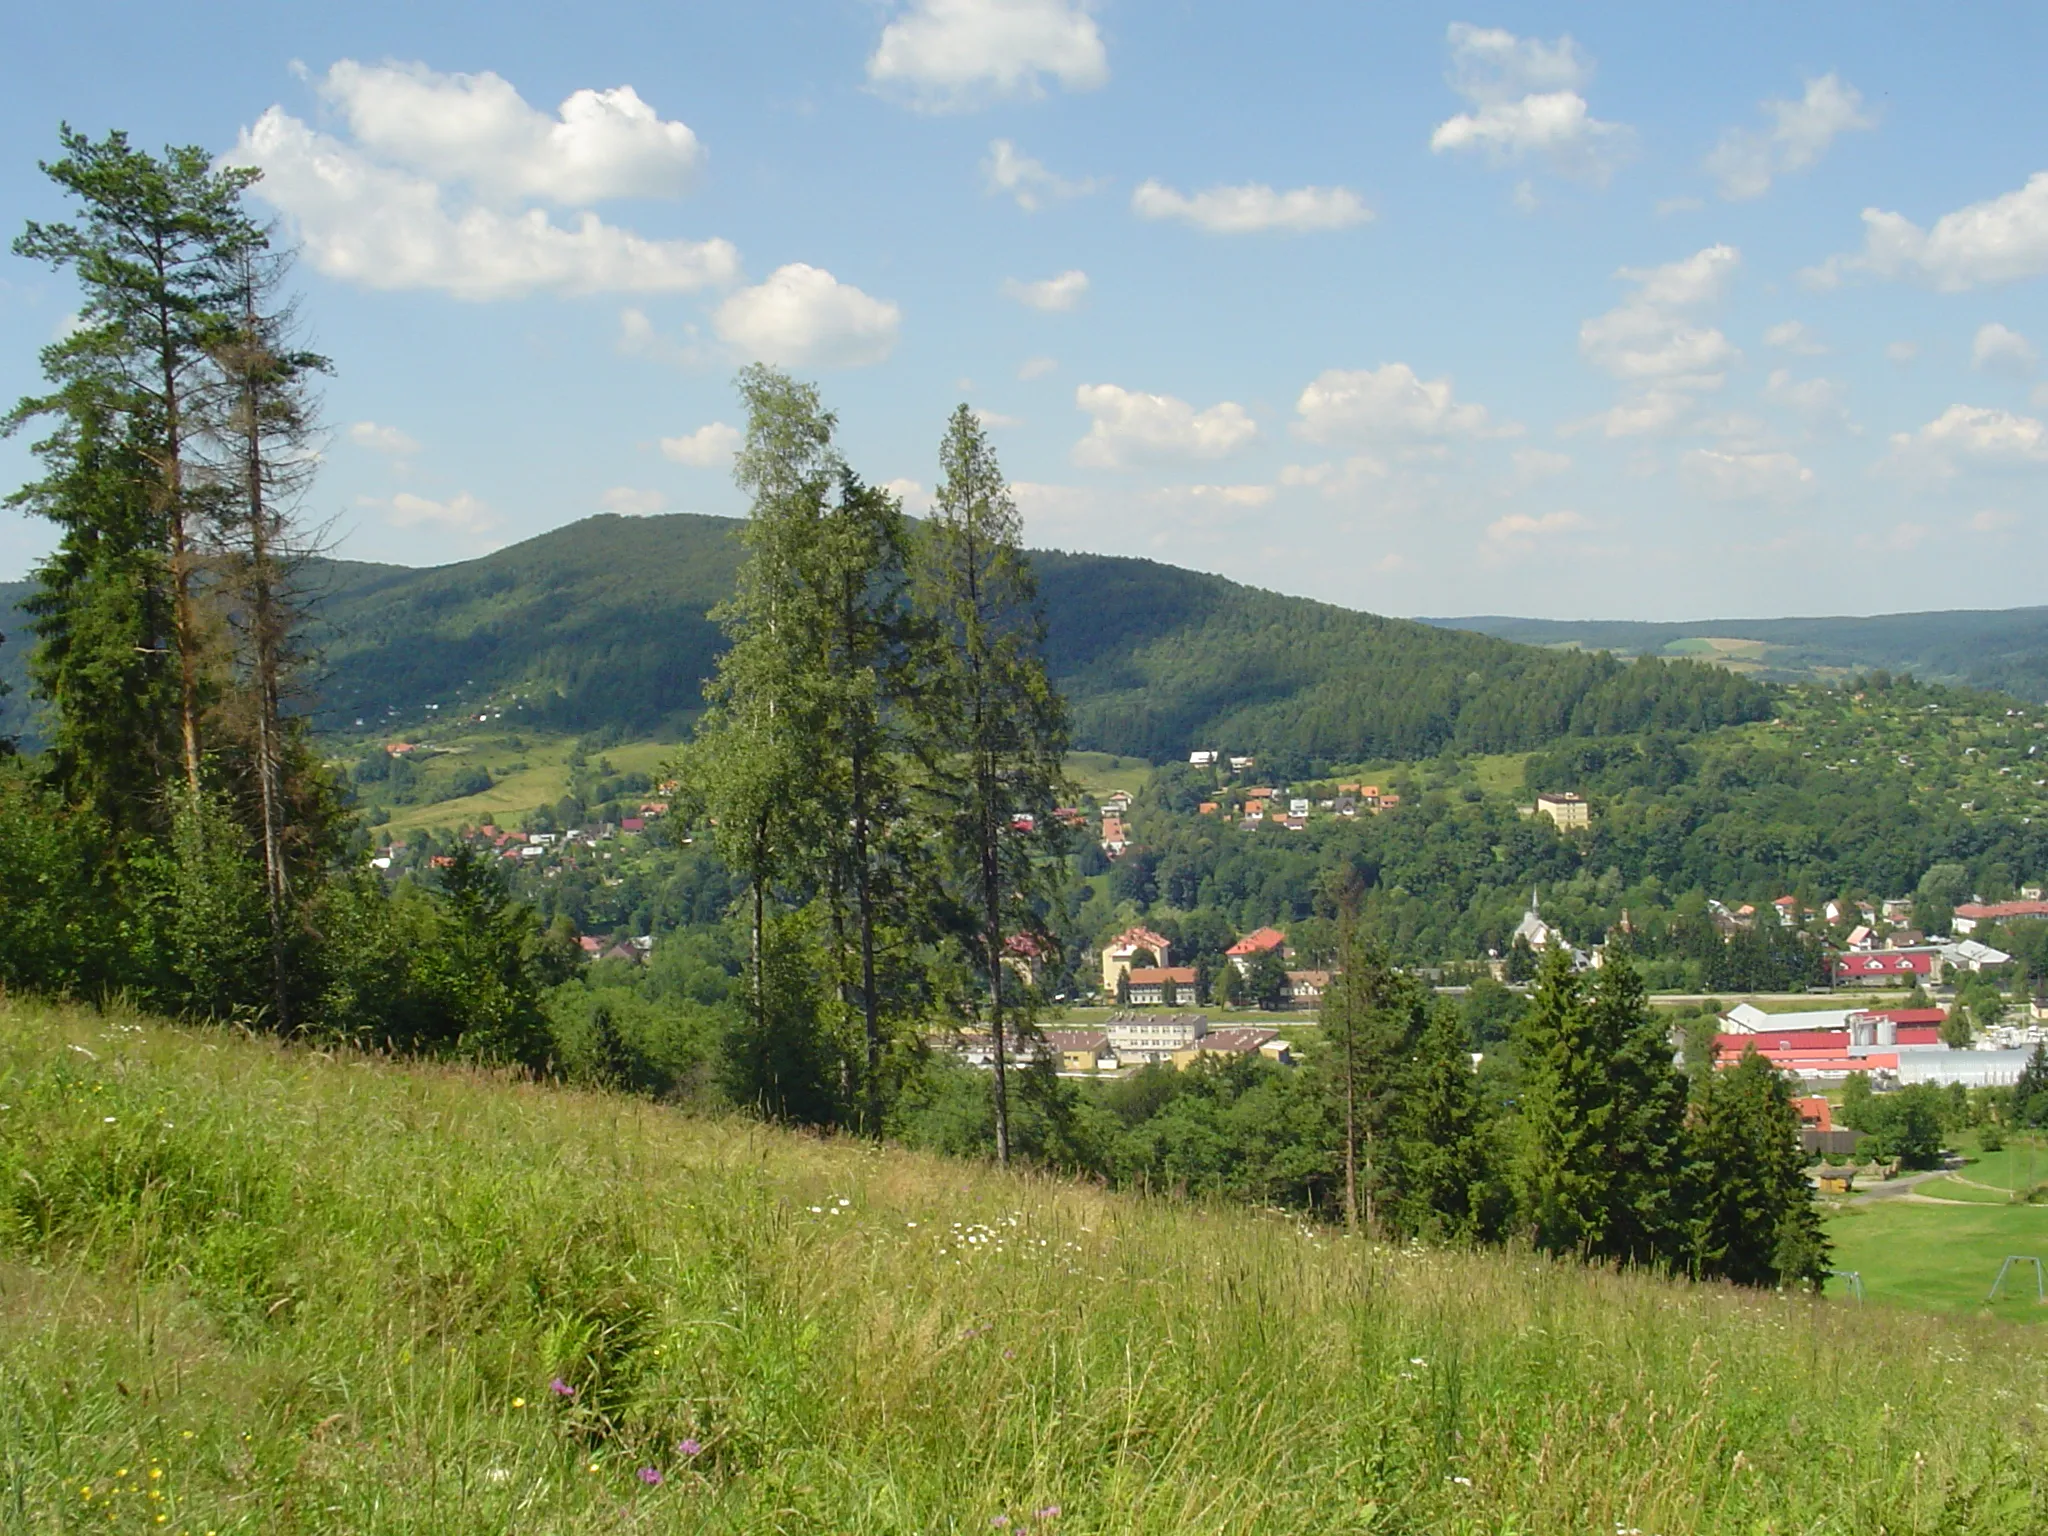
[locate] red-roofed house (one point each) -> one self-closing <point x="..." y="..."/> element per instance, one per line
<point x="1971" y="913"/>
<point x="1258" y="942"/>
<point x="1884" y="968"/>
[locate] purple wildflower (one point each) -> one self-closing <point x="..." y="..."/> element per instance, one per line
<point x="561" y="1388"/>
<point x="651" y="1476"/>
<point x="1000" y="1521"/>
<point x="1050" y="1512"/>
<point x="689" y="1447"/>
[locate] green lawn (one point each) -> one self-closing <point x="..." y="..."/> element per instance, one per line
<point x="1939" y="1258"/>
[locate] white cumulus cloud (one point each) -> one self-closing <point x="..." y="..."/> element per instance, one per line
<point x="1521" y="533"/>
<point x="1657" y="344"/>
<point x="1252" y="208"/>
<point x="1052" y="294"/>
<point x="633" y="501"/>
<point x="1798" y="133"/>
<point x="1729" y="476"/>
<point x="1817" y="401"/>
<point x="1526" y="103"/>
<point x="385" y="227"/>
<point x="1796" y="337"/>
<point x="1378" y="404"/>
<point x="2000" y="349"/>
<point x="949" y="55"/>
<point x="477" y="129"/>
<point x="711" y="446"/>
<point x="462" y="512"/>
<point x="1973" y="437"/>
<point x="382" y="439"/>
<point x="804" y="317"/>
<point x="1014" y="174"/>
<point x="1130" y="426"/>
<point x="2000" y="240"/>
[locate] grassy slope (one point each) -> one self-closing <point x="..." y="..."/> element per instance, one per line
<point x="320" y="1294"/>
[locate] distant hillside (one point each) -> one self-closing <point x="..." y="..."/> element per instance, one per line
<point x="2005" y="649"/>
<point x="604" y="623"/>
<point x="14" y="701"/>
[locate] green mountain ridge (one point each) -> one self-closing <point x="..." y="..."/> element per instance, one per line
<point x="605" y="623"/>
<point x="2001" y="649"/>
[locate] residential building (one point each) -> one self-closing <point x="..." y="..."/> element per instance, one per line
<point x="1305" y="989"/>
<point x="1202" y="759"/>
<point x="1258" y="942"/>
<point x="1971" y="913"/>
<point x="1232" y="1040"/>
<point x="1150" y="985"/>
<point x="1568" y="810"/>
<point x="1788" y="911"/>
<point x="1970" y="955"/>
<point x="1117" y="954"/>
<point x="1081" y="1050"/>
<point x="1114" y="839"/>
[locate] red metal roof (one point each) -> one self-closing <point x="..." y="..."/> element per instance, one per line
<point x="1883" y="963"/>
<point x="1257" y="942"/>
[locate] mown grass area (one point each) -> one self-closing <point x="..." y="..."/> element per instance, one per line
<point x="1941" y="1258"/>
<point x="246" y="1288"/>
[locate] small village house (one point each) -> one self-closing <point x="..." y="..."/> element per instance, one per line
<point x="1118" y="955"/>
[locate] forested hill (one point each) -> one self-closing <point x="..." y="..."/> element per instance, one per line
<point x="604" y="623"/>
<point x="2002" y="649"/>
<point x="14" y="700"/>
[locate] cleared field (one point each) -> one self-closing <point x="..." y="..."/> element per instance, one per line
<point x="1101" y="773"/>
<point x="538" y="776"/>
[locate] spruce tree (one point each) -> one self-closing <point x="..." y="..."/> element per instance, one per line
<point x="1441" y="1151"/>
<point x="1566" y="1173"/>
<point x="1648" y="1190"/>
<point x="1754" y="1221"/>
<point x="993" y="730"/>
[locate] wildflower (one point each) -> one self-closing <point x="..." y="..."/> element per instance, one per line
<point x="155" y="1473"/>
<point x="1000" y="1521"/>
<point x="690" y="1447"/>
<point x="518" y="1402"/>
<point x="651" y="1476"/>
<point x="561" y="1388"/>
<point x="591" y="1468"/>
<point x="1462" y="1482"/>
<point x="109" y="1120"/>
<point x="1050" y="1512"/>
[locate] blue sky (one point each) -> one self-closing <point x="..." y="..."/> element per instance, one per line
<point x="1571" y="310"/>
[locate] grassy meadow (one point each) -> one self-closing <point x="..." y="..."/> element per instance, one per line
<point x="253" y="1288"/>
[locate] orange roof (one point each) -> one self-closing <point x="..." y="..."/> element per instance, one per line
<point x="1182" y="975"/>
<point x="1258" y="941"/>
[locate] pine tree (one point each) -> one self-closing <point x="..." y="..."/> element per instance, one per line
<point x="1755" y="1222"/>
<point x="259" y="422"/>
<point x="156" y="250"/>
<point x="993" y="728"/>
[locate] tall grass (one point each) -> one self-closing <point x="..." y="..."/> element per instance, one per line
<point x="254" y="1289"/>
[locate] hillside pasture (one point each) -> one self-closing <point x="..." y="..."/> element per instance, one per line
<point x="251" y="1288"/>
